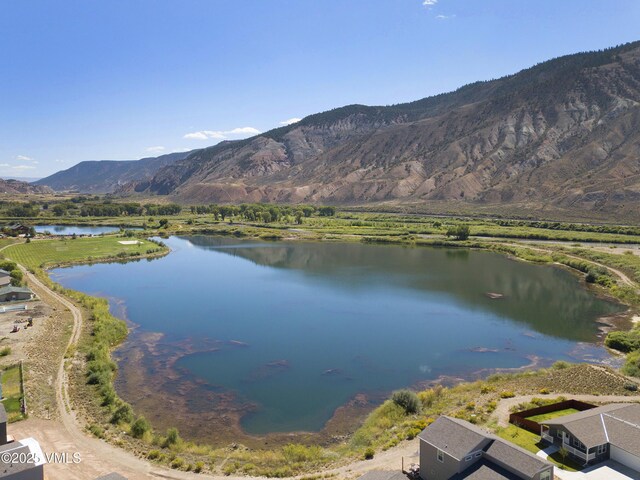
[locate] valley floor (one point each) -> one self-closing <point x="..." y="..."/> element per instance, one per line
<point x="59" y="430"/>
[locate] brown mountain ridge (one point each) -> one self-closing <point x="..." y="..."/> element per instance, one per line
<point x="565" y="132"/>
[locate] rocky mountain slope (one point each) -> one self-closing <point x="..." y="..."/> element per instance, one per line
<point x="565" y="132"/>
<point x="105" y="176"/>
<point x="14" y="187"/>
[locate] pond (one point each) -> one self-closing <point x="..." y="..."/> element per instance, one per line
<point x="277" y="336"/>
<point x="76" y="229"/>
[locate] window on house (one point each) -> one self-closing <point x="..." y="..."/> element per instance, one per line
<point x="559" y="433"/>
<point x="440" y="456"/>
<point x="602" y="449"/>
<point x="546" y="475"/>
<point x="577" y="443"/>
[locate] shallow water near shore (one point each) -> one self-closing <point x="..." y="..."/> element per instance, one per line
<point x="277" y="336"/>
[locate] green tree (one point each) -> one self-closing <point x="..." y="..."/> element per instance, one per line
<point x="459" y="232"/>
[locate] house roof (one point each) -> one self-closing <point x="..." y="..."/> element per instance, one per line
<point x="4" y="272"/>
<point x="485" y="470"/>
<point x="12" y="289"/>
<point x="28" y="448"/>
<point x="454" y="437"/>
<point x="459" y="438"/>
<point x="3" y="414"/>
<point x="617" y="424"/>
<point x="517" y="458"/>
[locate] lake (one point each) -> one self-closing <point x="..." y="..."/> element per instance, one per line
<point x="279" y="335"/>
<point x="76" y="229"/>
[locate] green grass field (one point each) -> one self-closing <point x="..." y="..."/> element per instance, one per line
<point x="48" y="252"/>
<point x="12" y="393"/>
<point x="531" y="442"/>
<point x="548" y="416"/>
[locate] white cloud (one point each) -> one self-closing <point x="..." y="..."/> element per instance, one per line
<point x="24" y="167"/>
<point x="156" y="149"/>
<point x="4" y="165"/>
<point x="243" y="131"/>
<point x="290" y="121"/>
<point x="221" y="134"/>
<point x="24" y="158"/>
<point x="429" y="3"/>
<point x="445" y="17"/>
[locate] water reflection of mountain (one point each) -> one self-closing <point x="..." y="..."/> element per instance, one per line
<point x="548" y="299"/>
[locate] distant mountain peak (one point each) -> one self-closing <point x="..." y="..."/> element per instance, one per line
<point x="106" y="176"/>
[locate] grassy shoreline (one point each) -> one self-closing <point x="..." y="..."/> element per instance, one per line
<point x="105" y="332"/>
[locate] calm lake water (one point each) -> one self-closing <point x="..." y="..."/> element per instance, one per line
<point x="77" y="229"/>
<point x="303" y="327"/>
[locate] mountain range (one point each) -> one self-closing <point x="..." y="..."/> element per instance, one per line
<point x="14" y="187"/>
<point x="105" y="176"/>
<point x="565" y="133"/>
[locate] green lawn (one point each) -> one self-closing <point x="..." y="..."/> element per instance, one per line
<point x="12" y="393"/>
<point x="8" y="241"/>
<point x="548" y="416"/>
<point x="42" y="252"/>
<point x="531" y="442"/>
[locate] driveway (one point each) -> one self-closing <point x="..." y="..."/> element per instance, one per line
<point x="608" y="470"/>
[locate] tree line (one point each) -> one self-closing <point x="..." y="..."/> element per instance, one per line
<point x="260" y="212"/>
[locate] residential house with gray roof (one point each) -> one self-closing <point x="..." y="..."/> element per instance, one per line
<point x="452" y="449"/>
<point x="5" y="278"/>
<point x="13" y="294"/>
<point x="602" y="433"/>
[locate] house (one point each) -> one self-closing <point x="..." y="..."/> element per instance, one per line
<point x="17" y="229"/>
<point x="5" y="278"/>
<point x="12" y="294"/>
<point x="452" y="449"/>
<point x="29" y="448"/>
<point x="33" y="469"/>
<point x="602" y="433"/>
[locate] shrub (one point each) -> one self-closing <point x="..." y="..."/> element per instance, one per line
<point x="177" y="463"/>
<point x="172" y="437"/>
<point x="544" y="391"/>
<point x="96" y="430"/>
<point x="507" y="394"/>
<point x="140" y="427"/>
<point x="560" y="365"/>
<point x="632" y="387"/>
<point x="5" y="351"/>
<point x="369" y="453"/>
<point x="198" y="467"/>
<point x="122" y="414"/>
<point x="153" y="454"/>
<point x="623" y="341"/>
<point x="406" y="399"/>
<point x="300" y="453"/>
<point x="632" y="365"/>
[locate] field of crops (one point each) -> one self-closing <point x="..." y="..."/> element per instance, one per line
<point x="42" y="252"/>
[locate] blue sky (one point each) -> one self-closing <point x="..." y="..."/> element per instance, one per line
<point x="88" y="79"/>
